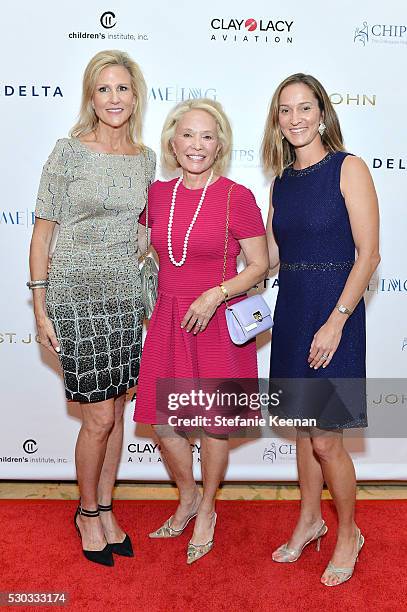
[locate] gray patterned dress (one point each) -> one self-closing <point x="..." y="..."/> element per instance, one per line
<point x="93" y="298"/>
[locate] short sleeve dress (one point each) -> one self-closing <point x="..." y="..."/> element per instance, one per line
<point x="93" y="297"/>
<point x="171" y="352"/>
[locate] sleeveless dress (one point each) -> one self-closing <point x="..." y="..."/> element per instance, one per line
<point x="170" y="352"/>
<point x="317" y="252"/>
<point x="93" y="297"/>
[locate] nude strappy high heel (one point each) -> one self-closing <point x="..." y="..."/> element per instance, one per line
<point x="197" y="551"/>
<point x="343" y="574"/>
<point x="289" y="555"/>
<point x="166" y="531"/>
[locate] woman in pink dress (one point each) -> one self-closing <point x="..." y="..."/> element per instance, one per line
<point x="187" y="336"/>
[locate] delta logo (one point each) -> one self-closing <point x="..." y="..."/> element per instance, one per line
<point x="250" y="30"/>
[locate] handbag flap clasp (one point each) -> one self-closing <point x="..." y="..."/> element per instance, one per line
<point x="251" y="312"/>
<point x="258" y="316"/>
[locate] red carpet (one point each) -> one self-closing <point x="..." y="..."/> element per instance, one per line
<point x="41" y="552"/>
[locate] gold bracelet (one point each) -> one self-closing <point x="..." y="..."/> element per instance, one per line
<point x="224" y="291"/>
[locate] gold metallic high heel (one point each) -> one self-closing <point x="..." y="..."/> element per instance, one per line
<point x="289" y="555"/>
<point x="196" y="551"/>
<point x="343" y="574"/>
<point x="166" y="531"/>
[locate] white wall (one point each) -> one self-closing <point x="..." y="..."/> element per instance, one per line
<point x="174" y="44"/>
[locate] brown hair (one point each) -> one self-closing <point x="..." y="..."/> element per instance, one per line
<point x="88" y="119"/>
<point x="278" y="153"/>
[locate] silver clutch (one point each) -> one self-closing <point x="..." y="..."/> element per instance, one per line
<point x="149" y="284"/>
<point x="148" y="267"/>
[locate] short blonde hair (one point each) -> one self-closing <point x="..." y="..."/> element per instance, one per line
<point x="278" y="153"/>
<point x="224" y="131"/>
<point x="88" y="119"/>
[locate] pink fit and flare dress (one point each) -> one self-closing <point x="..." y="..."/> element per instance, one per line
<point x="172" y="352"/>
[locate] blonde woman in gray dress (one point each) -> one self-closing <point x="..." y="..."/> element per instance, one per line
<point x="88" y="309"/>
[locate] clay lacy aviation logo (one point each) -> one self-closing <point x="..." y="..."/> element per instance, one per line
<point x="380" y="33"/>
<point x="151" y="452"/>
<point x="250" y="30"/>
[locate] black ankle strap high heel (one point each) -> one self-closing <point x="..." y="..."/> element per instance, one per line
<point x="125" y="548"/>
<point x="90" y="513"/>
<point x="104" y="556"/>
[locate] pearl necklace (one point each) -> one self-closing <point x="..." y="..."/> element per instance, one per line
<point x="191" y="225"/>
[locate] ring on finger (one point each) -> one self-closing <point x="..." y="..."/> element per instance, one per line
<point x="199" y="323"/>
<point x="324" y="357"/>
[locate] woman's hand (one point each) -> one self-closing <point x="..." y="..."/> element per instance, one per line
<point x="46" y="334"/>
<point x="202" y="310"/>
<point x="324" y="345"/>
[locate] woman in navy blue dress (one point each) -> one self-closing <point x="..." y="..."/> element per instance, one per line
<point x="323" y="208"/>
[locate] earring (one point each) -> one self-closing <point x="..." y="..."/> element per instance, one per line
<point x="282" y="137"/>
<point x="322" y="128"/>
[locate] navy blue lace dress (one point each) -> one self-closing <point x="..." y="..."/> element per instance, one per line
<point x="312" y="229"/>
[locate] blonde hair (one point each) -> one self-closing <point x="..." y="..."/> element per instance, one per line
<point x="88" y="119"/>
<point x="224" y="131"/>
<point x="277" y="153"/>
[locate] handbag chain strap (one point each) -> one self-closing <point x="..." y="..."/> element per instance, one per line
<point x="227" y="238"/>
<point x="227" y="233"/>
<point x="147" y="186"/>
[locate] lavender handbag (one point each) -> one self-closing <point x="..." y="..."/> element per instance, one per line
<point x="247" y="318"/>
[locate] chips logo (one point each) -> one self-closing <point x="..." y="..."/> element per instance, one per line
<point x="380" y="33"/>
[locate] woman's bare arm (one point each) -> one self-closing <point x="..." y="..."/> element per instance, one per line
<point x="361" y="203"/>
<point x="39" y="255"/>
<point x="203" y="308"/>
<point x="274" y="257"/>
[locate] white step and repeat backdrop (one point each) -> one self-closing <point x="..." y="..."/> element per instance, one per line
<point x="235" y="53"/>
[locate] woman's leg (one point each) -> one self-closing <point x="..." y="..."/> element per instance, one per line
<point x="311" y="482"/>
<point x="177" y="453"/>
<point x="108" y="472"/>
<point x="214" y="460"/>
<point x="339" y="474"/>
<point x="97" y="422"/>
